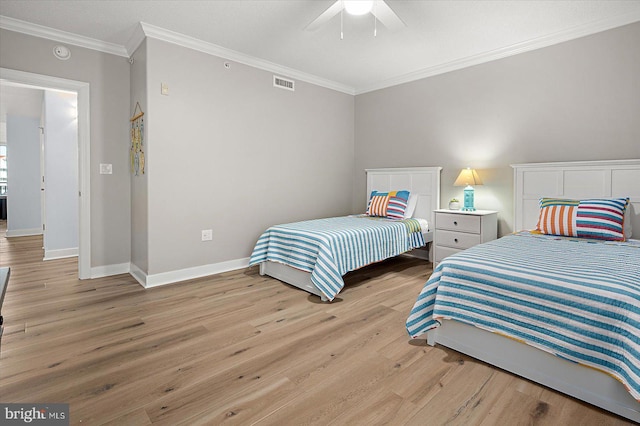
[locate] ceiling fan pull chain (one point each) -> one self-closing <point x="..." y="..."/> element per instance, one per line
<point x="375" y="21"/>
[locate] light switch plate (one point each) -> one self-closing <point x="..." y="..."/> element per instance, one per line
<point x="207" y="234"/>
<point x="164" y="89"/>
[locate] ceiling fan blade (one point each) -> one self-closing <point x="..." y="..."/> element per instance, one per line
<point x="387" y="16"/>
<point x="332" y="11"/>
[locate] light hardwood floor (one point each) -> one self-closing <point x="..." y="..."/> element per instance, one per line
<point x="238" y="348"/>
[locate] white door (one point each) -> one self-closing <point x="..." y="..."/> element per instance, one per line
<point x="42" y="189"/>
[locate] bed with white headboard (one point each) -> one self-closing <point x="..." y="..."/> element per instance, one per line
<point x="423" y="184"/>
<point x="577" y="180"/>
<point x="486" y="341"/>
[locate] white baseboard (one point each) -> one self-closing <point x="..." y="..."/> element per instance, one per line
<point x="138" y="274"/>
<point x="60" y="253"/>
<point x="23" y="232"/>
<point x="154" y="280"/>
<point x="108" y="270"/>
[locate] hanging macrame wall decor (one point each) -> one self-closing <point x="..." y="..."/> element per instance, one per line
<point x="137" y="141"/>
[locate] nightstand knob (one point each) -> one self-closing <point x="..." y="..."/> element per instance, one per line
<point x="455" y="239"/>
<point x="455" y="222"/>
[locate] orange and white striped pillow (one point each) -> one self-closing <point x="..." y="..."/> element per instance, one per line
<point x="378" y="204"/>
<point x="558" y="217"/>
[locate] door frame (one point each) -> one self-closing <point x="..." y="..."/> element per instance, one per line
<point x="41" y="81"/>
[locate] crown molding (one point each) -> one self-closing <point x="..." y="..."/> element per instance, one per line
<point x="36" y="30"/>
<point x="136" y="39"/>
<point x="147" y="30"/>
<point x="215" y="50"/>
<point x="515" y="49"/>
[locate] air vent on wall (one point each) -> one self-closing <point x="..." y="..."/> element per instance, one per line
<point x="283" y="83"/>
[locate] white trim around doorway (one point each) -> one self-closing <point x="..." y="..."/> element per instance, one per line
<point x="84" y="150"/>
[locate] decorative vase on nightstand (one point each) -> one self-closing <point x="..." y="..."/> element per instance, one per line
<point x="454" y="204"/>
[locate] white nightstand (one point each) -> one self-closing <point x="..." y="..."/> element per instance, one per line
<point x="456" y="230"/>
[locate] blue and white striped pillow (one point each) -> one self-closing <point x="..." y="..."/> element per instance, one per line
<point x="602" y="219"/>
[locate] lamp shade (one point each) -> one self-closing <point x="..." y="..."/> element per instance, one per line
<point x="467" y="177"/>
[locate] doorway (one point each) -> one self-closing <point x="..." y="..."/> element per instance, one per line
<point x="44" y="82"/>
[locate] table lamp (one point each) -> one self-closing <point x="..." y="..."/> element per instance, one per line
<point x="467" y="178"/>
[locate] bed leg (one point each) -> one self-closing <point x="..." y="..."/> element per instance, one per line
<point x="262" y="266"/>
<point x="431" y="337"/>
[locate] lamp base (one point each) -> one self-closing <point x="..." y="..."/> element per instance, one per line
<point x="468" y="199"/>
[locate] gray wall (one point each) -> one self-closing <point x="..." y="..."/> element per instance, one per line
<point x="229" y="152"/>
<point x="23" y="176"/>
<point x="578" y="100"/>
<point x="108" y="76"/>
<point x="226" y="151"/>
<point x="139" y="192"/>
<point x="22" y="101"/>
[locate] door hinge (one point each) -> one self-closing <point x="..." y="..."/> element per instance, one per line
<point x="43" y="227"/>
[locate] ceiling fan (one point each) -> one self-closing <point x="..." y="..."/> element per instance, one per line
<point x="378" y="8"/>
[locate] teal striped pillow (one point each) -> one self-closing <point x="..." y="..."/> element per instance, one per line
<point x="601" y="219"/>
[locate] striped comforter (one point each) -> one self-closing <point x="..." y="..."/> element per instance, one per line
<point x="329" y="248"/>
<point x="577" y="299"/>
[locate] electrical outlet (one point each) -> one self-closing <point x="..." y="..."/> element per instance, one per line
<point x="207" y="234"/>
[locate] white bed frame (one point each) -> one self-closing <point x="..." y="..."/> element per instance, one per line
<point x="531" y="182"/>
<point x="421" y="181"/>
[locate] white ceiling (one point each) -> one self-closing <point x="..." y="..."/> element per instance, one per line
<point x="439" y="36"/>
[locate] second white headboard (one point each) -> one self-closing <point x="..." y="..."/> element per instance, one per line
<point x="578" y="179"/>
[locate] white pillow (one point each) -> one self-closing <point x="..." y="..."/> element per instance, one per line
<point x="411" y="206"/>
<point x="627" y="230"/>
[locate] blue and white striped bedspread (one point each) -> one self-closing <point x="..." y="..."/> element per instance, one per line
<point x="329" y="248"/>
<point x="579" y="300"/>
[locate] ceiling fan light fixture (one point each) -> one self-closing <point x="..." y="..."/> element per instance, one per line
<point x="358" y="7"/>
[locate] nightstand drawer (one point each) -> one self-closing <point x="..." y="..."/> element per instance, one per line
<point x="442" y="252"/>
<point x="458" y="240"/>
<point x="458" y="222"/>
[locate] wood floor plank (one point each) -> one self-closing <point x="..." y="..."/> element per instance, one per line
<point x="239" y="348"/>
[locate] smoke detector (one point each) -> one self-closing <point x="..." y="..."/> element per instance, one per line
<point x="62" y="52"/>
